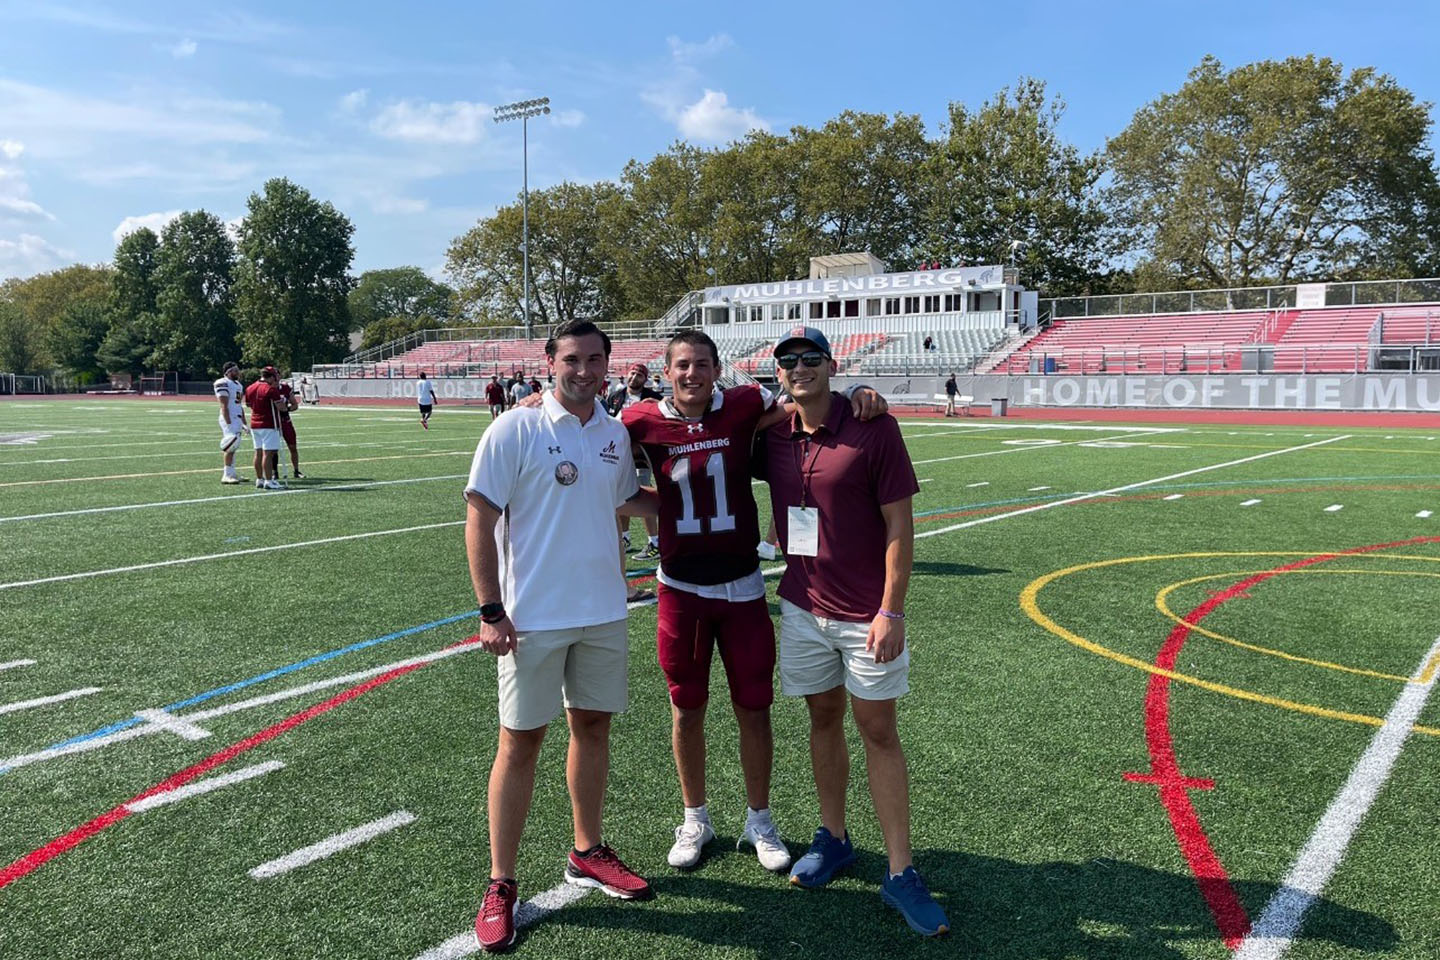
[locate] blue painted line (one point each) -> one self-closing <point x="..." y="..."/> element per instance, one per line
<point x="262" y="677"/>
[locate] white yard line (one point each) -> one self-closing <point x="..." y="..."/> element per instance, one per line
<point x="222" y="556"/>
<point x="1271" y="935"/>
<point x="531" y="912"/>
<point x="1036" y="446"/>
<point x="332" y="845"/>
<point x="267" y="494"/>
<point x="1423" y="515"/>
<point x="207" y="785"/>
<point x="46" y="701"/>
<point x="1121" y="489"/>
<point x="210" y="452"/>
<point x="1248" y="503"/>
<point x="17" y="663"/>
<point x="176" y="473"/>
<point x="198" y="716"/>
<point x="1335" y="508"/>
<point x="183" y="729"/>
<point x="1173" y="496"/>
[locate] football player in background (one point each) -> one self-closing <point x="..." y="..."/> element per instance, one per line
<point x="228" y="392"/>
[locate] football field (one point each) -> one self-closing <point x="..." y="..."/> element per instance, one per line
<point x="1172" y="696"/>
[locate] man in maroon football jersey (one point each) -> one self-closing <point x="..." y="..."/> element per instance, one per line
<point x="287" y="404"/>
<point x="710" y="585"/>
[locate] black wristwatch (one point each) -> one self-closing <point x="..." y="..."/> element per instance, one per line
<point x="492" y="612"/>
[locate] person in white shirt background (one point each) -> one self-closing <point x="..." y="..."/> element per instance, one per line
<point x="425" y="396"/>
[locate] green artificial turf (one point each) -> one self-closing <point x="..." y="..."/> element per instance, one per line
<point x="1024" y="824"/>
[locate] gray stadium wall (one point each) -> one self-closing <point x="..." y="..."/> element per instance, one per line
<point x="1365" y="391"/>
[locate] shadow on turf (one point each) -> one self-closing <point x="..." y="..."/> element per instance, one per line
<point x="953" y="569"/>
<point x="997" y="908"/>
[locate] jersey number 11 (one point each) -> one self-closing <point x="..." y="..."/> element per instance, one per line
<point x="723" y="521"/>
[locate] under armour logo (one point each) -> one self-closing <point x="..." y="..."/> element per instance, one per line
<point x="553" y="449"/>
<point x="694" y="428"/>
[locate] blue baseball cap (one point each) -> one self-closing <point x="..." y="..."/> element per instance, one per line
<point x="809" y="335"/>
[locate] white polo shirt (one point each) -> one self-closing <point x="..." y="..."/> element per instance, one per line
<point x="557" y="484"/>
<point x="425" y="392"/>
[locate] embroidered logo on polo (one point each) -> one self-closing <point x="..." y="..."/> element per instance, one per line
<point x="553" y="449"/>
<point x="609" y="455"/>
<point x="566" y="473"/>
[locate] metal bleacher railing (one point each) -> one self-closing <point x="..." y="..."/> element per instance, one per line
<point x="1356" y="293"/>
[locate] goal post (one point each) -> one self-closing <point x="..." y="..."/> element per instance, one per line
<point x="164" y="383"/>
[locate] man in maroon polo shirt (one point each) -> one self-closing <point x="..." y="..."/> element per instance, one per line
<point x="840" y="494"/>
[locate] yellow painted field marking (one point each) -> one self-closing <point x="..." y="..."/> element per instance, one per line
<point x="1030" y="604"/>
<point x="1164" y="607"/>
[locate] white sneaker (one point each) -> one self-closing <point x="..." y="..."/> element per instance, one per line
<point x="274" y="485"/>
<point x="229" y="478"/>
<point x="766" y="550"/>
<point x="765" y="838"/>
<point x="690" y="836"/>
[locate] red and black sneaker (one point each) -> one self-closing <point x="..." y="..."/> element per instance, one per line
<point x="601" y="868"/>
<point x="495" y="923"/>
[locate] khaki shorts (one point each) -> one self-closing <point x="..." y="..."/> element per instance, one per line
<point x="818" y="655"/>
<point x="582" y="668"/>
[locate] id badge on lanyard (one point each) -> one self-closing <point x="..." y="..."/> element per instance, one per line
<point x="803" y="522"/>
<point x="804" y="527"/>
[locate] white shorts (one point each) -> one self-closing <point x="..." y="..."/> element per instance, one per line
<point x="229" y="436"/>
<point x="265" y="438"/>
<point x="582" y="668"/>
<point x="818" y="655"/>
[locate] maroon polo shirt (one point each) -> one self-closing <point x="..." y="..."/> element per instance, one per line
<point x="847" y="469"/>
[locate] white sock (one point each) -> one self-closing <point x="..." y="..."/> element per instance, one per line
<point x="655" y="541"/>
<point x="757" y="816"/>
<point x="697" y="814"/>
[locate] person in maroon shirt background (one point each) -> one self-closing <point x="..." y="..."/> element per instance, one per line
<point x="495" y="396"/>
<point x="287" y="429"/>
<point x="263" y="397"/>
<point x="840" y="495"/>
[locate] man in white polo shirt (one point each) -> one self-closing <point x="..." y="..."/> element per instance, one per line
<point x="544" y="489"/>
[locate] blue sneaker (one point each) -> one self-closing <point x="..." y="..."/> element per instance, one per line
<point x="826" y="857"/>
<point x="908" y="894"/>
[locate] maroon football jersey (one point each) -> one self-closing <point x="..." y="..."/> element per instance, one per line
<point x="708" y="522"/>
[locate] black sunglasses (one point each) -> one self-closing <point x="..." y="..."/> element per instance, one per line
<point x="811" y="358"/>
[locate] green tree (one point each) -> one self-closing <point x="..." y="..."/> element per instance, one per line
<point x="292" y="279"/>
<point x="1003" y="174"/>
<point x="127" y="346"/>
<point x="392" y="328"/>
<point x="399" y="292"/>
<point x="1278" y="171"/>
<point x="42" y="299"/>
<point x="572" y="267"/>
<point x="860" y="185"/>
<point x="663" y="230"/>
<point x="134" y="292"/>
<point x="19" y="349"/>
<point x="193" y="329"/>
<point x="76" y="335"/>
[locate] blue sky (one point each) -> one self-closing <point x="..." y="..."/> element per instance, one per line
<point x="117" y="114"/>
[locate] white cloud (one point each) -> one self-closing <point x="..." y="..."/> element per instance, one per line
<point x="154" y="221"/>
<point x="387" y="203"/>
<point x="185" y="48"/>
<point x="354" y="100"/>
<point x="30" y="255"/>
<point x="67" y="123"/>
<point x="15" y="202"/>
<point x="683" y="52"/>
<point x="567" y="118"/>
<point x="713" y="120"/>
<point x="426" y="122"/>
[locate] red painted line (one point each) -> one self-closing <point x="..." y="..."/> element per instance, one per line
<point x="38" y="857"/>
<point x="1174" y="786"/>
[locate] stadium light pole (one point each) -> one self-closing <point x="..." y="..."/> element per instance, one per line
<point x="523" y="110"/>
